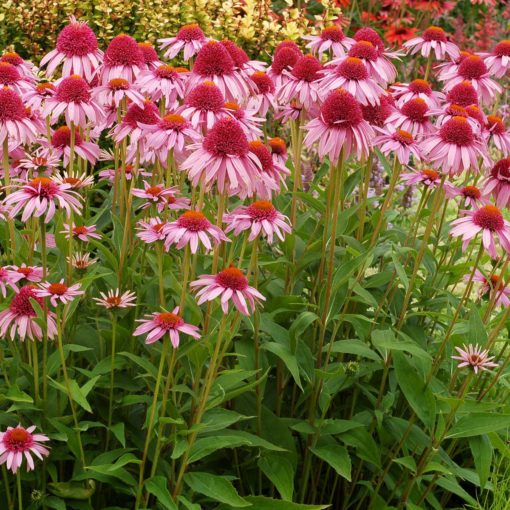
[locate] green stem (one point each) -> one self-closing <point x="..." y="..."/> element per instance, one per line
<point x="20" y="493"/>
<point x="42" y="229"/>
<point x="112" y="380"/>
<point x="7" y="191"/>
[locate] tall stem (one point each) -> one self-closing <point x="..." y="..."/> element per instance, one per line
<point x="20" y="493"/>
<point x="112" y="380"/>
<point x="7" y="189"/>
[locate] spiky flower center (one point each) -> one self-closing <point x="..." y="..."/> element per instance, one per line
<point x="213" y="60"/>
<point x="472" y="67"/>
<point x="58" y="289"/>
<point x="20" y="304"/>
<point x="495" y="124"/>
<point x="232" y="278"/>
<point x="206" y="97"/>
<point x="226" y="138"/>
<point x="307" y="68"/>
<point x="123" y="50"/>
<point x="463" y="94"/>
<point x="11" y="106"/>
<point x="168" y="320"/>
<point x="263" y="82"/>
<point x="430" y="175"/>
<point x="62" y="137"/>
<point x="368" y="34"/>
<point x="502" y="49"/>
<point x="284" y="59"/>
<point x="420" y="87"/>
<point x="194" y="221"/>
<point x="12" y="57"/>
<point x="501" y="170"/>
<point x="365" y="50"/>
<point x="155" y="191"/>
<point x="333" y="33"/>
<point x="352" y="68"/>
<point x="17" y="440"/>
<point x="489" y="217"/>
<point x="73" y="89"/>
<point x="43" y="187"/>
<point x="457" y="131"/>
<point x="191" y="32"/>
<point x="8" y="74"/>
<point x="166" y="72"/>
<point x="471" y="192"/>
<point x="416" y="110"/>
<point x="262" y="210"/>
<point x="76" y="40"/>
<point x="278" y="146"/>
<point x="403" y="137"/>
<point x="80" y="230"/>
<point x="434" y="34"/>
<point x="113" y="301"/>
<point x="238" y="55"/>
<point x="148" y="52"/>
<point x="149" y="114"/>
<point x="173" y="121"/>
<point x="341" y="110"/>
<point x="118" y="84"/>
<point x="45" y="89"/>
<point x="263" y="154"/>
<point x="456" y="110"/>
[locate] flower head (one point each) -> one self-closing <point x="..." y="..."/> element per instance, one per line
<point x="497" y="183"/>
<point x="114" y="299"/>
<point x="115" y="91"/>
<point x="498" y="62"/>
<point x="433" y="41"/>
<point x="475" y="357"/>
<point x="331" y="39"/>
<point x="122" y="59"/>
<point x="162" y="81"/>
<point x="190" y="39"/>
<point x="152" y="230"/>
<point x="399" y="142"/>
<point x="58" y="292"/>
<point x="15" y="123"/>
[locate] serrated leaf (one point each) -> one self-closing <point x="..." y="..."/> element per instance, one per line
<point x="157" y="486"/>
<point x="337" y="457"/>
<point x="216" y="488"/>
<point x="280" y="471"/>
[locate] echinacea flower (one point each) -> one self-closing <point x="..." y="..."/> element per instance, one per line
<point x="498" y="133"/>
<point x="81" y="261"/>
<point x="81" y="232"/>
<point x="278" y="150"/>
<point x="135" y="121"/>
<point x="470" y="196"/>
<point x="150" y="55"/>
<point x="24" y="272"/>
<point x="475" y="357"/>
<point x="242" y="62"/>
<point x="352" y="75"/>
<point x="76" y="182"/>
<point x="377" y="114"/>
<point x="163" y="82"/>
<point x="399" y="142"/>
<point x="11" y="77"/>
<point x="427" y="177"/>
<point x="59" y="292"/>
<point x="41" y="196"/>
<point x="330" y="39"/>
<point x="192" y="228"/>
<point x="160" y="324"/>
<point x="283" y="62"/>
<point x="123" y="58"/>
<point x="246" y="117"/>
<point x="498" y="62"/>
<point x="20" y="316"/>
<point x="152" y="230"/>
<point x="263" y="97"/>
<point x="15" y="123"/>
<point x="129" y="171"/>
<point x="223" y="158"/>
<point x="455" y="147"/>
<point x="229" y="285"/>
<point x="490" y="222"/>
<point x="36" y="97"/>
<point x="497" y="183"/>
<point x="260" y="217"/>
<point x="116" y="91"/>
<point x="433" y="40"/>
<point x="24" y="67"/>
<point x="190" y="39"/>
<point x="474" y="70"/>
<point x="340" y="126"/>
<point x="404" y="92"/>
<point x="303" y="84"/>
<point x="73" y="99"/>
<point x="114" y="299"/>
<point x="17" y="443"/>
<point x="214" y="63"/>
<point x="462" y="94"/>
<point x="60" y="146"/>
<point x="77" y="48"/>
<point x="413" y="116"/>
<point x="154" y="195"/>
<point x="8" y="278"/>
<point x="489" y="285"/>
<point x="38" y="164"/>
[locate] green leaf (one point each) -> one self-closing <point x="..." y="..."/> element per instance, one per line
<point x="299" y="326"/>
<point x="413" y="387"/>
<point x="356" y="347"/>
<point x="400" y="270"/>
<point x="477" y="332"/>
<point x="482" y="450"/>
<point x="337" y="457"/>
<point x="157" y="486"/>
<point x="384" y="339"/>
<point x="263" y="503"/>
<point x="280" y="471"/>
<point x="285" y="354"/>
<point x="118" y="432"/>
<point x="476" y="424"/>
<point x="215" y="487"/>
<point x="16" y="395"/>
<point x="76" y="393"/>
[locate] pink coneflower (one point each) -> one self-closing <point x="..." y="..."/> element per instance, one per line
<point x="278" y="150"/>
<point x="295" y="111"/>
<point x="60" y="145"/>
<point x="115" y="91"/>
<point x="454" y="110"/>
<point x="303" y="84"/>
<point x="41" y="196"/>
<point x="400" y="142"/>
<point x="417" y="88"/>
<point x="414" y="117"/>
<point x="20" y="316"/>
<point x="73" y="99"/>
<point x="246" y="117"/>
<point x="81" y="232"/>
<point x="340" y="125"/>
<point x="215" y="64"/>
<point x="488" y="220"/>
<point x="59" y="292"/>
<point x="123" y="58"/>
<point x="24" y="272"/>
<point x="448" y="69"/>
<point x="470" y="196"/>
<point x="263" y="97"/>
<point x="229" y="284"/>
<point x="260" y="218"/>
<point x="10" y="77"/>
<point x="379" y="67"/>
<point x="242" y="62"/>
<point x="24" y="67"/>
<point x="462" y="94"/>
<point x="352" y="75"/>
<point x="475" y="357"/>
<point x="330" y="39"/>
<point x="18" y="443"/>
<point x="223" y="158"/>
<point x="136" y="116"/>
<point x="114" y="299"/>
<point x="489" y="285"/>
<point x="203" y="106"/>
<point x="152" y="230"/>
<point x="76" y="182"/>
<point x="150" y="55"/>
<point x="176" y="203"/>
<point x="377" y="114"/>
<point x="164" y="81"/>
<point x="455" y="148"/>
<point x="15" y="123"/>
<point x="162" y="323"/>
<point x="475" y="113"/>
<point x="283" y="62"/>
<point x="36" y="97"/>
<point x="81" y="261"/>
<point x="498" y="133"/>
<point x="154" y="195"/>
<point x="172" y="132"/>
<point x="8" y="278"/>
<point x="77" y="48"/>
<point x="129" y="172"/>
<point x="433" y="40"/>
<point x="38" y="164"/>
<point x="191" y="228"/>
<point x="474" y="70"/>
<point x="427" y="177"/>
<point x="498" y="62"/>
<point x="189" y="38"/>
<point x="497" y="183"/>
